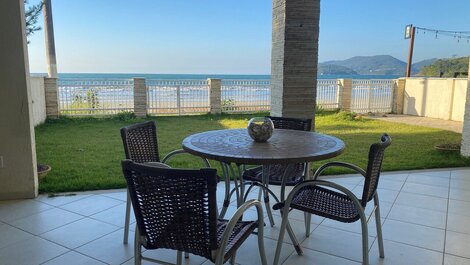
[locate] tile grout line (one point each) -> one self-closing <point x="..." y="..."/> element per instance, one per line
<point x="447" y="219"/>
<point x="396" y="198"/>
<point x="71" y="250"/>
<point x="391" y="207"/>
<point x="65" y="195"/>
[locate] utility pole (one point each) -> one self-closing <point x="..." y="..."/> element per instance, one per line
<point x="410" y="34"/>
<point x="49" y="36"/>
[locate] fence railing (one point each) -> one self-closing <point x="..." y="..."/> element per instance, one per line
<point x="245" y="95"/>
<point x="179" y="97"/>
<point x="328" y="91"/>
<point x="95" y="97"/>
<point x="373" y="95"/>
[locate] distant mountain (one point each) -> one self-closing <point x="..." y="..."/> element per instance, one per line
<point x="371" y="65"/>
<point x="449" y="68"/>
<point x="333" y="69"/>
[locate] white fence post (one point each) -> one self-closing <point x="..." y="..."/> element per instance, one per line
<point x="339" y="92"/>
<point x="178" y="99"/>
<point x="369" y="96"/>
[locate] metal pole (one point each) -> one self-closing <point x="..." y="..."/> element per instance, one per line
<point x="410" y="53"/>
<point x="49" y="36"/>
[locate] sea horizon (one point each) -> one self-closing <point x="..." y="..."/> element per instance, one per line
<point x="109" y="76"/>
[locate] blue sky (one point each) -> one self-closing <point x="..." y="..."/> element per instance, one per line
<point x="232" y="37"/>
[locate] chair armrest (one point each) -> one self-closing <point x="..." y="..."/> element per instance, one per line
<point x="286" y="204"/>
<point x="233" y="221"/>
<point x="181" y="151"/>
<point x="338" y="164"/>
<point x="157" y="164"/>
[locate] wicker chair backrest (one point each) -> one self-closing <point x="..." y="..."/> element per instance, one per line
<point x="292" y="123"/>
<point x="376" y="155"/>
<point x="140" y="142"/>
<point x="174" y="208"/>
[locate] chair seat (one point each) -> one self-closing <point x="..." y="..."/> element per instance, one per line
<point x="324" y="202"/>
<point x="276" y="173"/>
<point x="240" y="233"/>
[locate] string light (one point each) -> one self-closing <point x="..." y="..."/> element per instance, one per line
<point x="457" y="35"/>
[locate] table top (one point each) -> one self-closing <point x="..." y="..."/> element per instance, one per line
<point x="285" y="146"/>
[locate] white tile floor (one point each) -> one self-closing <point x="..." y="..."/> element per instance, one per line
<point x="425" y="216"/>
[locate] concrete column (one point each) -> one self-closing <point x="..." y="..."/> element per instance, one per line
<point x="465" y="149"/>
<point x="215" y="97"/>
<point x="294" y="57"/>
<point x="346" y="94"/>
<point x="140" y="97"/>
<point x="52" y="98"/>
<point x="18" y="173"/>
<point x="398" y="95"/>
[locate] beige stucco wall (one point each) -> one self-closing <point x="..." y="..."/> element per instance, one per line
<point x="441" y="98"/>
<point x="18" y="176"/>
<point x="460" y="93"/>
<point x="38" y="100"/>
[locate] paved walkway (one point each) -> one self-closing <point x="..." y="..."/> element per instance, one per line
<point x="455" y="126"/>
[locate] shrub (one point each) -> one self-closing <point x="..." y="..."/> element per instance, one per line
<point x="348" y="116"/>
<point x="125" y="116"/>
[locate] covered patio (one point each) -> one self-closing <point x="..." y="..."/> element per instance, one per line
<point x="425" y="213"/>
<point x="425" y="216"/>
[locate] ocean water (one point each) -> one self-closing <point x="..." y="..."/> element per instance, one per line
<point x="197" y="76"/>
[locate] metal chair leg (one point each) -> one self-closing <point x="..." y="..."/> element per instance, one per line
<point x="227" y="191"/>
<point x="179" y="258"/>
<point x="137" y="248"/>
<point x="293" y="238"/>
<point x="266" y="169"/>
<point x="232" y="259"/>
<point x="307" y="218"/>
<point x="365" y="239"/>
<point x="378" y="224"/>
<point x="280" y="238"/>
<point x="235" y="182"/>
<point x="261" y="249"/>
<point x="126" y="221"/>
<point x="186" y="255"/>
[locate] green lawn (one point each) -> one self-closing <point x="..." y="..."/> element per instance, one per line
<point x="85" y="154"/>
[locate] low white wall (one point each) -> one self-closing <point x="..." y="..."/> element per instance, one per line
<point x="441" y="98"/>
<point x="38" y="100"/>
<point x="460" y="94"/>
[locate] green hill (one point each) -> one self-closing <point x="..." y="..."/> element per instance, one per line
<point x="447" y="66"/>
<point x="371" y="65"/>
<point x="333" y="69"/>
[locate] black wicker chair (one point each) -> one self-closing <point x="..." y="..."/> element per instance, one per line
<point x="336" y="202"/>
<point x="276" y="172"/>
<point x="141" y="146"/>
<point x="177" y="209"/>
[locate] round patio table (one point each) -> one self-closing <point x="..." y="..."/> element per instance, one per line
<point x="235" y="147"/>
